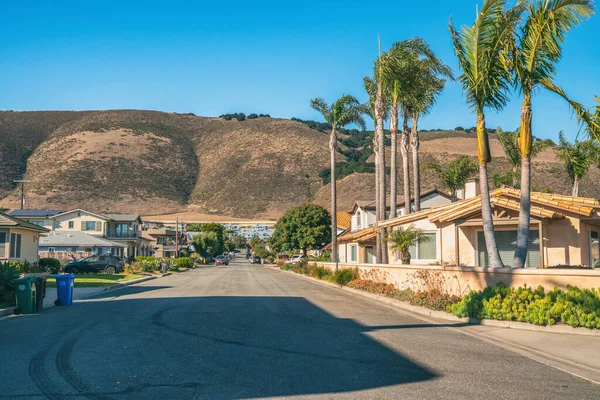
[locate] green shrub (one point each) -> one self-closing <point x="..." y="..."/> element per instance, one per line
<point x="287" y="266"/>
<point x="172" y="265"/>
<point x="146" y="266"/>
<point x="7" y="291"/>
<point x="343" y="276"/>
<point x="184" y="262"/>
<point x="51" y="265"/>
<point x="575" y="307"/>
<point x="145" y="258"/>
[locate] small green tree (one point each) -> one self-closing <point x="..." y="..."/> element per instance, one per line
<point x="578" y="158"/>
<point x="455" y="174"/>
<point x="402" y="239"/>
<point x="219" y="232"/>
<point x="207" y="244"/>
<point x="304" y="227"/>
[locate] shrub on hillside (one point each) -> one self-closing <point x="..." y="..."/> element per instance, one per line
<point x="51" y="265"/>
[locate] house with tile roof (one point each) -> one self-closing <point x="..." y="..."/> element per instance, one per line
<point x="19" y="239"/>
<point x="565" y="230"/>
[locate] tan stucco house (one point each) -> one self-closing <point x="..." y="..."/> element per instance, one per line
<point x="123" y="230"/>
<point x="565" y="230"/>
<point x="19" y="239"/>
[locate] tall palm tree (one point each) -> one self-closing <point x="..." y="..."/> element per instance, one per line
<point x="539" y="50"/>
<point x="578" y="157"/>
<point x="428" y="84"/>
<point x="483" y="52"/>
<point x="509" y="142"/>
<point x="344" y="111"/>
<point x="371" y="87"/>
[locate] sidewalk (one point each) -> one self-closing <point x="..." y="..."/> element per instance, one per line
<point x="578" y="355"/>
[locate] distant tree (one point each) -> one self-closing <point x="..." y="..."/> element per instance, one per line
<point x="207" y="244"/>
<point x="194" y="228"/>
<point x="239" y="241"/>
<point x="226" y="117"/>
<point x="252" y="116"/>
<point x="578" y="157"/>
<point x="264" y="116"/>
<point x="304" y="227"/>
<point x="459" y="128"/>
<point x="219" y="232"/>
<point x="455" y="174"/>
<point x="240" y="116"/>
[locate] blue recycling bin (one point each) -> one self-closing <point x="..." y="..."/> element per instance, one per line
<point x="64" y="289"/>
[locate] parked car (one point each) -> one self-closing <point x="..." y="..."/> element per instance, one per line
<point x="221" y="260"/>
<point x="254" y="260"/>
<point x="296" y="258"/>
<point x="97" y="263"/>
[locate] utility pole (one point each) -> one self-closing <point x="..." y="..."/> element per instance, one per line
<point x="177" y="237"/>
<point x="22" y="190"/>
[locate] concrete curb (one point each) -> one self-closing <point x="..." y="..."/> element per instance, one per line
<point x="561" y="329"/>
<point x="7" y="311"/>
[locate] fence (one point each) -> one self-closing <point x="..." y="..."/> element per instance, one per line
<point x="460" y="280"/>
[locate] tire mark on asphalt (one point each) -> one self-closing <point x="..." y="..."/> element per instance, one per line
<point x="377" y="364"/>
<point x="38" y="374"/>
<point x="66" y="370"/>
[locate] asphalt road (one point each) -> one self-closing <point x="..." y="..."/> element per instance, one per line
<point x="242" y="331"/>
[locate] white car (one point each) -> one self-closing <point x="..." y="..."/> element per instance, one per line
<point x="296" y="258"/>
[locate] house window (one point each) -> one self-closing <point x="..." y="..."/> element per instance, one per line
<point x="90" y="225"/>
<point x="3" y="237"/>
<point x="358" y="220"/>
<point x="425" y="250"/>
<point x="56" y="224"/>
<point x="353" y="253"/>
<point x="74" y="249"/>
<point x="71" y="224"/>
<point x="121" y="230"/>
<point x="51" y="250"/>
<point x="15" y="245"/>
<point x="38" y="223"/>
<point x="506" y="242"/>
<point x="594" y="249"/>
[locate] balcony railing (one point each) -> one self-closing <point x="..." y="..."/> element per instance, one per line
<point x="122" y="235"/>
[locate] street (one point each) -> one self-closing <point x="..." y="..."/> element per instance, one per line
<point x="245" y="331"/>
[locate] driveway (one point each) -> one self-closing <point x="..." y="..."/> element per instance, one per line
<point x="242" y="331"/>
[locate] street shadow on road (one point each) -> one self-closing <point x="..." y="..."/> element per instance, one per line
<point x="127" y="291"/>
<point x="205" y="347"/>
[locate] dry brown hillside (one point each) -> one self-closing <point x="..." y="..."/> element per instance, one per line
<point x="152" y="162"/>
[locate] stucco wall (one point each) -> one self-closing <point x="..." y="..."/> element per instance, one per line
<point x="29" y="245"/>
<point x="77" y="221"/>
<point x="459" y="280"/>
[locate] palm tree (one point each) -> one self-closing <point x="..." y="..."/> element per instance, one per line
<point x="539" y="50"/>
<point x="402" y="239"/>
<point x="509" y="142"/>
<point x="344" y="111"/>
<point x="578" y="157"/>
<point x="371" y="87"/>
<point x="455" y="174"/>
<point x="428" y="84"/>
<point x="483" y="50"/>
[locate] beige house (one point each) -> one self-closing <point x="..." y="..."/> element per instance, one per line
<point x="564" y="231"/>
<point x="163" y="242"/>
<point x="19" y="239"/>
<point x="122" y="229"/>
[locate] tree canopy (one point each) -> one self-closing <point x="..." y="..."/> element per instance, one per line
<point x="301" y="228"/>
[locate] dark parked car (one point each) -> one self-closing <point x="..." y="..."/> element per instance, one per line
<point x="221" y="260"/>
<point x="254" y="260"/>
<point x="97" y="263"/>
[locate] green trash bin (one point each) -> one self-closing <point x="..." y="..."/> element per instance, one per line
<point x="25" y="291"/>
<point x="40" y="292"/>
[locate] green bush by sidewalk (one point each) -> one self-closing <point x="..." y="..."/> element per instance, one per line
<point x="574" y="307"/>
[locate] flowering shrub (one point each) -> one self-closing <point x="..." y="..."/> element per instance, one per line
<point x="575" y="307"/>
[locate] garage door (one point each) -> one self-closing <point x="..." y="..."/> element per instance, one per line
<point x="507" y="242"/>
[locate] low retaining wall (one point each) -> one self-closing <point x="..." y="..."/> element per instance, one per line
<point x="460" y="280"/>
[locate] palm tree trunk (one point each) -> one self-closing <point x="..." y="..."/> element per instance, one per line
<point x="483" y="153"/>
<point x="414" y="144"/>
<point x="334" y="246"/>
<point x="394" y="160"/>
<point x="379" y="113"/>
<point x="405" y="164"/>
<point x="524" y="142"/>
<point x="575" y="186"/>
<point x="378" y="243"/>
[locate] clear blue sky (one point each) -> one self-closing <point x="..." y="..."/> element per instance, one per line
<point x="271" y="57"/>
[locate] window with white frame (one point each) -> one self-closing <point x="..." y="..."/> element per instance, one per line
<point x="353" y="253"/>
<point x="426" y="250"/>
<point x="71" y="224"/>
<point x="15" y="245"/>
<point x="3" y="240"/>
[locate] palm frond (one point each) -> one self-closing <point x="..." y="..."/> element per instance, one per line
<point x="321" y="106"/>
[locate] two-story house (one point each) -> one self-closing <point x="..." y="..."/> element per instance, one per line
<point x="122" y="230"/>
<point x="164" y="243"/>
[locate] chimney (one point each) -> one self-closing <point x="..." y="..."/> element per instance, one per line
<point x="471" y="188"/>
